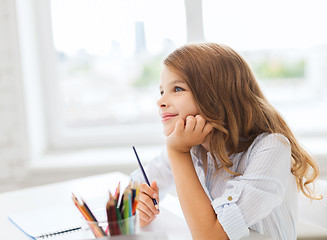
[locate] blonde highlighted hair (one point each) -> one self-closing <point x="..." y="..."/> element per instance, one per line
<point x="229" y="97"/>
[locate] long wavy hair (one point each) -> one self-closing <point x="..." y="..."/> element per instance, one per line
<point x="229" y="97"/>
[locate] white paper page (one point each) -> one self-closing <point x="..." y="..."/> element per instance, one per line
<point x="170" y="223"/>
<point x="47" y="220"/>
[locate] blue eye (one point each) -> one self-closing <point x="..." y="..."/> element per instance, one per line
<point x="178" y="89"/>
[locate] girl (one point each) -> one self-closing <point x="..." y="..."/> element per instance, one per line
<point x="234" y="161"/>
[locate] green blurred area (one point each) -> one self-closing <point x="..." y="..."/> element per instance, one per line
<point x="150" y="72"/>
<point x="274" y="69"/>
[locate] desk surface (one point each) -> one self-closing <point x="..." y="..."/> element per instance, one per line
<point x="95" y="187"/>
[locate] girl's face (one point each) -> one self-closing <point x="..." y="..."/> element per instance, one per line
<point x="176" y="101"/>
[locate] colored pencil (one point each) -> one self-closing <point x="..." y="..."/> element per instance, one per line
<point x="131" y="224"/>
<point x="135" y="202"/>
<point x="93" y="218"/>
<point x="134" y="187"/>
<point x="119" y="219"/>
<point x="97" y="231"/>
<point x="113" y="223"/>
<point x="117" y="192"/>
<point x="121" y="203"/>
<point x="126" y="213"/>
<point x="145" y="177"/>
<point x="109" y="228"/>
<point x="120" y="210"/>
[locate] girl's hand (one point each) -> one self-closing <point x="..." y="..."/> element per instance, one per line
<point x="191" y="133"/>
<point x="147" y="210"/>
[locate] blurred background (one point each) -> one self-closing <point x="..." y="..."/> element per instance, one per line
<point x="79" y="78"/>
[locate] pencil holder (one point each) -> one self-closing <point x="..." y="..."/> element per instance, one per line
<point x="125" y="226"/>
<point x="102" y="227"/>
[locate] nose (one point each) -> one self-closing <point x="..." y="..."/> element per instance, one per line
<point x="162" y="102"/>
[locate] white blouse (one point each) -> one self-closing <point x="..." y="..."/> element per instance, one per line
<point x="263" y="198"/>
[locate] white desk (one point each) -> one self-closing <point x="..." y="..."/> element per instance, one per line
<point x="96" y="187"/>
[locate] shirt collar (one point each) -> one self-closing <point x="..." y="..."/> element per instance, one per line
<point x="196" y="154"/>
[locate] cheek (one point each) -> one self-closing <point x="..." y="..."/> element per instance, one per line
<point x="189" y="110"/>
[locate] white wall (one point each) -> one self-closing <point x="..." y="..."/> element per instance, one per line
<point x="15" y="170"/>
<point x="17" y="130"/>
<point x="13" y="144"/>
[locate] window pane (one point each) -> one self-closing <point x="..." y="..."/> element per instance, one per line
<point x="256" y="24"/>
<point x="109" y="56"/>
<point x="284" y="43"/>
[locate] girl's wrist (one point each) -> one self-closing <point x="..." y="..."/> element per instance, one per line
<point x="178" y="150"/>
<point x="178" y="154"/>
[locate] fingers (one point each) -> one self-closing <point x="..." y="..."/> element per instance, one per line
<point x="179" y="126"/>
<point x="190" y="123"/>
<point x="147" y="210"/>
<point x="155" y="187"/>
<point x="146" y="189"/>
<point x="191" y="133"/>
<point x="197" y="124"/>
<point x="145" y="215"/>
<point x="207" y="128"/>
<point x="200" y="122"/>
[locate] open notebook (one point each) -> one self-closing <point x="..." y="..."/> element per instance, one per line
<point x="65" y="223"/>
<point x="49" y="222"/>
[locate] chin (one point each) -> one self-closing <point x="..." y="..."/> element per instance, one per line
<point x="167" y="131"/>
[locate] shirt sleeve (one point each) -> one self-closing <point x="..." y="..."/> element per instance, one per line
<point x="250" y="197"/>
<point x="158" y="169"/>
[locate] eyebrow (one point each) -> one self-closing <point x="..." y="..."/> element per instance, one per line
<point x="179" y="81"/>
<point x="175" y="82"/>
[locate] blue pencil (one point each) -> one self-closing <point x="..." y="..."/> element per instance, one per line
<point x="131" y="224"/>
<point x="145" y="177"/>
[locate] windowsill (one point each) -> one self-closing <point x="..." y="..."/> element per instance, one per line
<point x="54" y="167"/>
<point x="124" y="156"/>
<point x="94" y="158"/>
<point x="317" y="146"/>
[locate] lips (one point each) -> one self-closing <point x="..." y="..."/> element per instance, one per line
<point x="167" y="116"/>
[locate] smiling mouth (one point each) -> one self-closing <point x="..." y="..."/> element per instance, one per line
<point x="166" y="117"/>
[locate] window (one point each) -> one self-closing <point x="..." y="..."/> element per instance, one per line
<point x="108" y="58"/>
<point x="101" y="61"/>
<point x="284" y="43"/>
